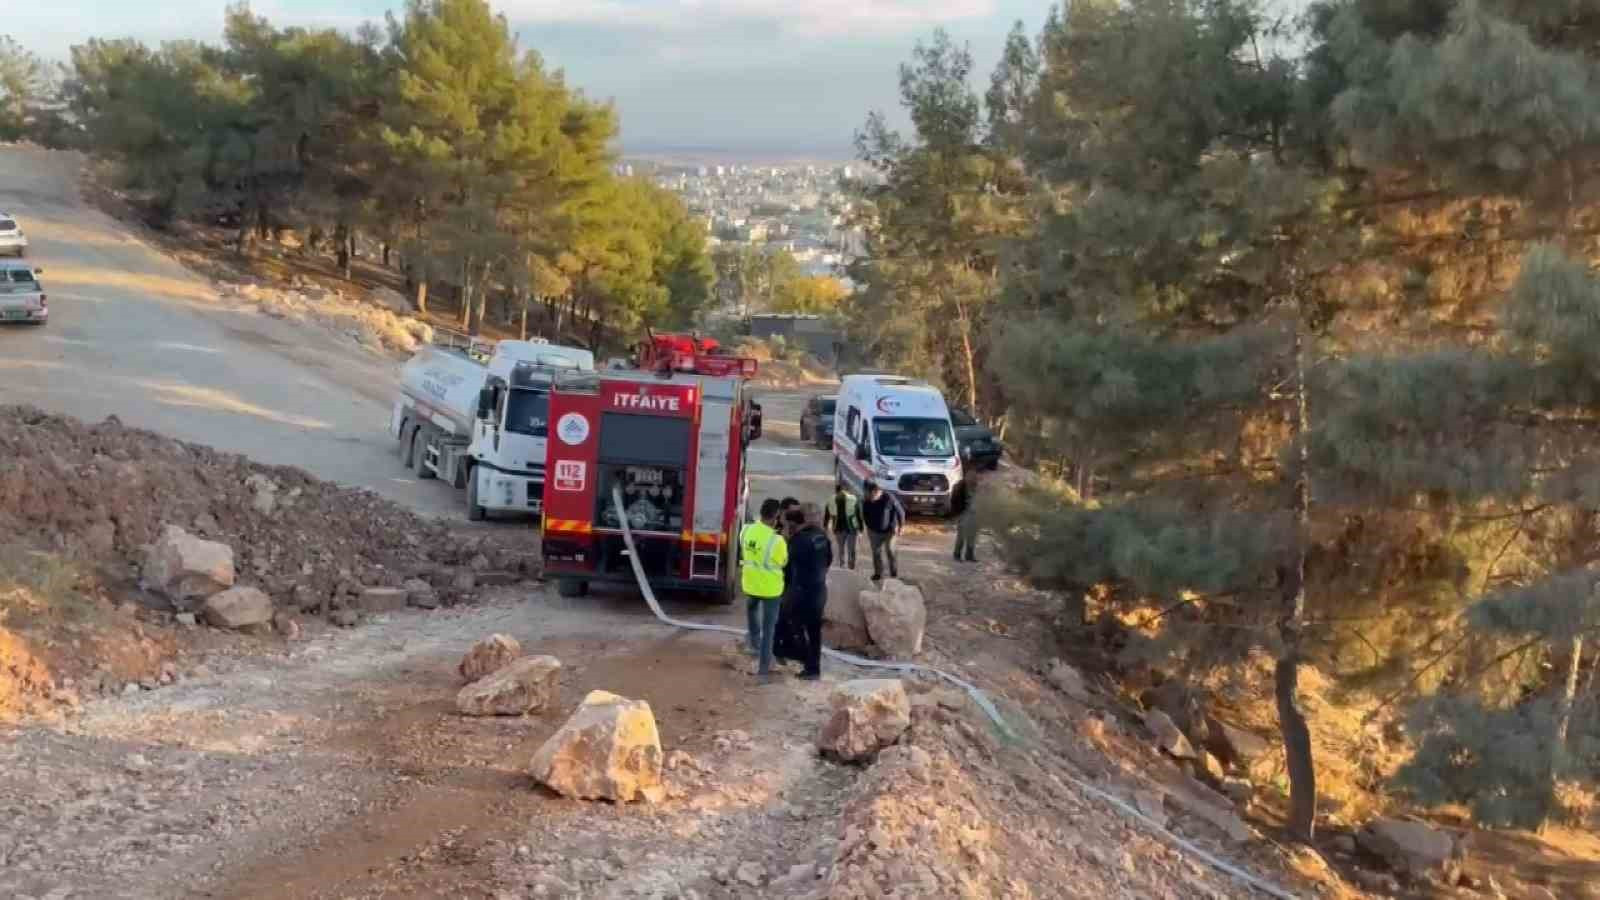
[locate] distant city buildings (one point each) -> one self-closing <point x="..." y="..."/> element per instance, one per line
<point x="801" y="209"/>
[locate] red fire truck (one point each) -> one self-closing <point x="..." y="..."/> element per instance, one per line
<point x="673" y="440"/>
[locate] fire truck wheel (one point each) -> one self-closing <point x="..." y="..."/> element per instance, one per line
<point x="572" y="587"/>
<point x="475" y="513"/>
<point x="419" y="453"/>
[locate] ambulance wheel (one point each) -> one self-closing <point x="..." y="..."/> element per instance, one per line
<point x="419" y="454"/>
<point x="572" y="587"/>
<point x="475" y="513"/>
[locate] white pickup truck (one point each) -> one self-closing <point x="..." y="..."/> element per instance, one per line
<point x="22" y="297"/>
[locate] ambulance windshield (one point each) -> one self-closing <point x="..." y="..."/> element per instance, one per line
<point x="528" y="412"/>
<point x="913" y="437"/>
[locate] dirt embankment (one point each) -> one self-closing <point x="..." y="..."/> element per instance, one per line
<point x="79" y="505"/>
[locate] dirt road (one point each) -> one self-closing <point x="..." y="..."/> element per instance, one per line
<point x="134" y="334"/>
<point x="335" y="767"/>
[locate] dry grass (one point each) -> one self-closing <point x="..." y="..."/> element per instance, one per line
<point x="37" y="587"/>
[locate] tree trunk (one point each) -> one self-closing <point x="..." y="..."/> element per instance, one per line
<point x="466" y="296"/>
<point x="341" y="238"/>
<point x="483" y="293"/>
<point x="1292" y="724"/>
<point x="247" y="230"/>
<point x="1568" y="697"/>
<point x="970" y="359"/>
<point x="386" y="249"/>
<point x="524" y="329"/>
<point x="422" y="296"/>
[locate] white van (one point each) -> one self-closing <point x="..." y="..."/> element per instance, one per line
<point x="896" y="431"/>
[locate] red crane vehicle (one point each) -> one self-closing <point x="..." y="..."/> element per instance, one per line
<point x="672" y="439"/>
<point x="689" y="353"/>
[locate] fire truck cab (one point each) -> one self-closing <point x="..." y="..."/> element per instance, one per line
<point x="674" y="442"/>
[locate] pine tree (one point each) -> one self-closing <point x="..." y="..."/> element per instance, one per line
<point x="931" y="271"/>
<point x="1161" y="315"/>
<point x="23" y="84"/>
<point x="1490" y="436"/>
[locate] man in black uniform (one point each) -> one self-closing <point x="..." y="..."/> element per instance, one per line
<point x="785" y="506"/>
<point x="806" y="577"/>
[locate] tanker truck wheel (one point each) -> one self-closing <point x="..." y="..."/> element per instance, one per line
<point x="419" y="453"/>
<point x="475" y="513"/>
<point x="408" y="437"/>
<point x="572" y="587"/>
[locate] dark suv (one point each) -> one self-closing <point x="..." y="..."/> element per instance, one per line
<point x="976" y="439"/>
<point x="816" y="421"/>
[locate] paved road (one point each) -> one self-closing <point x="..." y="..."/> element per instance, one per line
<point x="133" y="333"/>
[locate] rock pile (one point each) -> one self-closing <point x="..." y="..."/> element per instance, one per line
<point x="519" y="687"/>
<point x="896" y="617"/>
<point x="608" y="750"/>
<point x="488" y="655"/>
<point x="239" y="609"/>
<point x="380" y="326"/>
<point x="868" y="715"/>
<point x="192" y="521"/>
<point x="844" y="625"/>
<point x="185" y="568"/>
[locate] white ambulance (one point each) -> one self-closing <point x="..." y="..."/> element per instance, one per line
<point x="896" y="431"/>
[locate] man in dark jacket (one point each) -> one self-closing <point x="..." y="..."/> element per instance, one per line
<point x="883" y="516"/>
<point x="786" y="506"/>
<point x="806" y="577"/>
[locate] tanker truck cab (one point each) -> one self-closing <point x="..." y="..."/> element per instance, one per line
<point x="897" y="432"/>
<point x="476" y="415"/>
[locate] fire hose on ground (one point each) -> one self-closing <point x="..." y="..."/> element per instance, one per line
<point x="978" y="697"/>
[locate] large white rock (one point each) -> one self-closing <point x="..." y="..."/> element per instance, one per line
<point x="868" y="715"/>
<point x="1409" y="846"/>
<point x="520" y="687"/>
<point x="844" y="625"/>
<point x="487" y="655"/>
<point x="896" y="617"/>
<point x="1168" y="736"/>
<point x="187" y="569"/>
<point x="240" y="607"/>
<point x="391" y="299"/>
<point x="1067" y="679"/>
<point x="608" y="750"/>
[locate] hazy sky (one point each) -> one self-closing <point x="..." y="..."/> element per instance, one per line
<point x="764" y="75"/>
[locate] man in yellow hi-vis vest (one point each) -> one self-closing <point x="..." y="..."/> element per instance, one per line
<point x="762" y="555"/>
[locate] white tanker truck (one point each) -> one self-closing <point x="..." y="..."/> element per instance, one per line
<point x="475" y="414"/>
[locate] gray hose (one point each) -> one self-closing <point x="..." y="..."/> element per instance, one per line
<point x="977" y="696"/>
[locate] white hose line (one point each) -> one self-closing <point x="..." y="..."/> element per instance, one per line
<point x="977" y="696"/>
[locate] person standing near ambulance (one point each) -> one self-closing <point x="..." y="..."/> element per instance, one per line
<point x="763" y="552"/>
<point x="843" y="518"/>
<point x="883" y="516"/>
